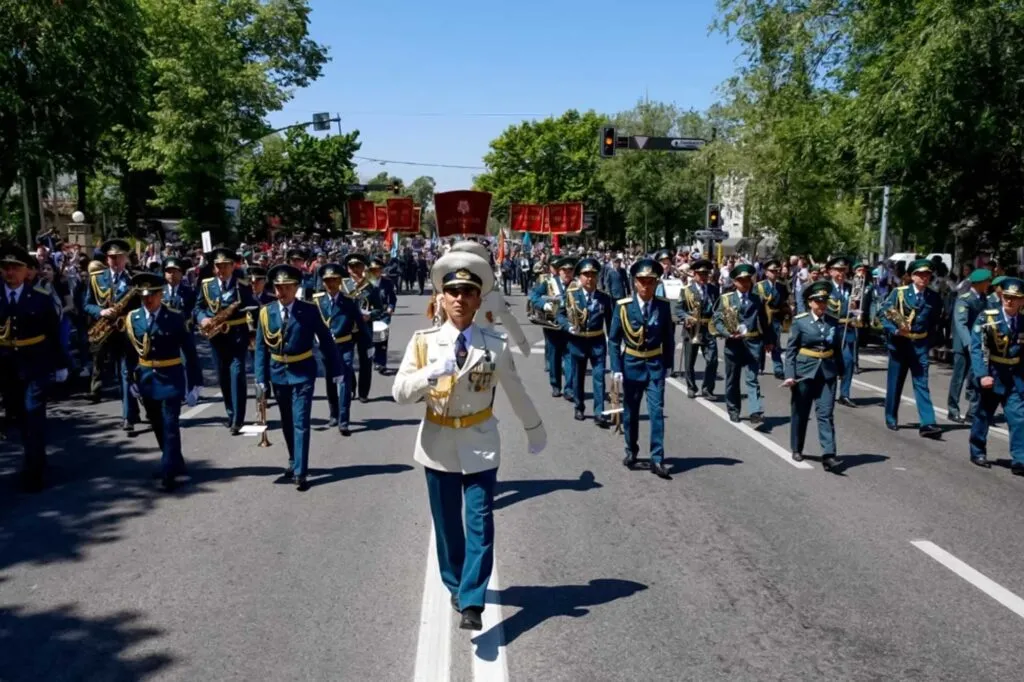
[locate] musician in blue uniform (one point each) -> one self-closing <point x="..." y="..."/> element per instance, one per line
<point x="697" y="307"/>
<point x="388" y="300"/>
<point x="351" y="332"/>
<point x="814" y="359"/>
<point x="641" y="339"/>
<point x="549" y="296"/>
<point x="966" y="309"/>
<point x="586" y="318"/>
<point x="367" y="297"/>
<point x="743" y="344"/>
<point x="307" y="284"/>
<point x="285" y="336"/>
<point x="177" y="295"/>
<point x="230" y="346"/>
<point x="774" y="304"/>
<point x="918" y="310"/>
<point x="160" y="340"/>
<point x="839" y="309"/>
<point x="994" y="301"/>
<point x="996" y="352"/>
<point x="105" y="289"/>
<point x="30" y="352"/>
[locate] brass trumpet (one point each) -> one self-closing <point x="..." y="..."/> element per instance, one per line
<point x="261" y="419"/>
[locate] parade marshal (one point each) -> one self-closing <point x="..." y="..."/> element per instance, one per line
<point x="456" y="368"/>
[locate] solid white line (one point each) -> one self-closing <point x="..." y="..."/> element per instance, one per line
<point x="434" y="647"/>
<point x="979" y="580"/>
<point x="194" y="411"/>
<point x="772" y="447"/>
<point x="496" y="670"/>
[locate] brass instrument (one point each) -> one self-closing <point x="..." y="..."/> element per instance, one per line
<point x="251" y="323"/>
<point x="219" y="322"/>
<point x="856" y="301"/>
<point x="616" y="412"/>
<point x="895" y="315"/>
<point x="731" y="320"/>
<point x="102" y="328"/>
<point x="577" y="316"/>
<point x="261" y="419"/>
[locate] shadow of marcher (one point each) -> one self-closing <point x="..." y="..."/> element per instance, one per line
<point x="325" y="476"/>
<point x="853" y="461"/>
<point x="770" y="423"/>
<point x="538" y="603"/>
<point x="507" y="493"/>
<point x="373" y="424"/>
<point x="679" y="465"/>
<point x="60" y="644"/>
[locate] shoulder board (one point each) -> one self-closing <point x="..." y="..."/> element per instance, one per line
<point x="41" y="289"/>
<point x="625" y="300"/>
<point x="244" y="281"/>
<point x="319" y="294"/>
<point x="966" y="295"/>
<point x="801" y="315"/>
<point x="992" y="312"/>
<point x="903" y="288"/>
<point x="171" y="310"/>
<point x="432" y="330"/>
<point x="208" y="279"/>
<point x="299" y="300"/>
<point x="97" y="273"/>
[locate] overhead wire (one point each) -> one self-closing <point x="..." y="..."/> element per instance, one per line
<point x="418" y="163"/>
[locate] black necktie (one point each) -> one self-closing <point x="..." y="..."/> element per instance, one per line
<point x="461" y="352"/>
<point x="284" y="322"/>
<point x="14" y="300"/>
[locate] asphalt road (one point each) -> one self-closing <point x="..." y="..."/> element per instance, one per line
<point x="744" y="566"/>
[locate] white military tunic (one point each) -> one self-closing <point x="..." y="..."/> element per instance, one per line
<point x="456" y="447"/>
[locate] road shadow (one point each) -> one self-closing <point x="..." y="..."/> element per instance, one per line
<point x="374" y="424"/>
<point x="847" y="462"/>
<point x="538" y="603"/>
<point x="318" y="477"/>
<point x="60" y="644"/>
<point x="507" y="493"/>
<point x="680" y="465"/>
<point x="770" y="423"/>
<point x="877" y="401"/>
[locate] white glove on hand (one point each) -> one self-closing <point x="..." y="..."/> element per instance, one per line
<point x="617" y="377"/>
<point x="60" y="376"/>
<point x="443" y="367"/>
<point x="574" y="330"/>
<point x="192" y="397"/>
<point x="134" y="390"/>
<point x="537" y="439"/>
<point x="262" y="387"/>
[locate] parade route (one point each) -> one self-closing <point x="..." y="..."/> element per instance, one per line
<point x="745" y="566"/>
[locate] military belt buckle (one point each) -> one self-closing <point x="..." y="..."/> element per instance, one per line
<point x="457" y="422"/>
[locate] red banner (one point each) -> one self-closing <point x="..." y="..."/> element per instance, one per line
<point x="462" y="212"/>
<point x="574" y="216"/>
<point x="361" y="215"/>
<point x="382" y="217"/>
<point x="417" y="218"/>
<point x="563" y="218"/>
<point x="400" y="215"/>
<point x="526" y="217"/>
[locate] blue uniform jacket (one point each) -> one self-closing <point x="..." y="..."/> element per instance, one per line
<point x="696" y="302"/>
<point x="212" y="298"/>
<point x="105" y="290"/>
<point x="966" y="309"/>
<point x="343" y="319"/>
<point x="994" y="350"/>
<point x="552" y="286"/>
<point x="821" y="337"/>
<point x="286" y="356"/>
<point x="183" y="301"/>
<point x="752" y="314"/>
<point x="642" y="350"/>
<point x="598" y="323"/>
<point x="388" y="297"/>
<point x="30" y="334"/>
<point x="166" y="342"/>
<point x="365" y="295"/>
<point x="926" y="309"/>
<point x="839" y="301"/>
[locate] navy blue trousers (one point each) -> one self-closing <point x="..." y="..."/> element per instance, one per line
<point x="339" y="396"/>
<point x="296" y="404"/>
<point x="164" y="417"/>
<point x="229" y="359"/>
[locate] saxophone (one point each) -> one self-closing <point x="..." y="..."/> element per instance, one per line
<point x="102" y="328"/>
<point x="219" y="322"/>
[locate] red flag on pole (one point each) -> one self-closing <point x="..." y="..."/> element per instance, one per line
<point x="555" y="247"/>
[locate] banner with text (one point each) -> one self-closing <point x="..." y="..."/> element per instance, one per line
<point x="462" y="212"/>
<point x="400" y="215"/>
<point x="382" y="217"/>
<point x="565" y="218"/>
<point x="361" y="215"/>
<point x="526" y="217"/>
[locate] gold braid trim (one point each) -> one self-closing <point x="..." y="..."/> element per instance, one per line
<point x="900" y="302"/>
<point x="103" y="296"/>
<point x="634" y="336"/>
<point x="214" y="304"/>
<point x="273" y="340"/>
<point x="142" y="349"/>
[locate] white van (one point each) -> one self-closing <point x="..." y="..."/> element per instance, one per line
<point x="908" y="258"/>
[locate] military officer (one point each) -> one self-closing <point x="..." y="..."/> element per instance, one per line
<point x="456" y="368"/>
<point x="388" y="300"/>
<point x="996" y="351"/>
<point x="996" y="289"/>
<point x="814" y="359"/>
<point x="910" y="316"/>
<point x="30" y="352"/>
<point x="493" y="308"/>
<point x="258" y="280"/>
<point x="107" y="288"/>
<point x="772" y="296"/>
<point x="230" y="348"/>
<point x="549" y="295"/>
<point x="839" y="309"/>
<point x="177" y="295"/>
<point x="586" y="318"/>
<point x="641" y="338"/>
<point x="358" y="287"/>
<point x="351" y="333"/>
<point x="307" y="285"/>
<point x="743" y="343"/>
<point x="160" y="339"/>
<point x="285" y="336"/>
<point x="698" y="301"/>
<point x="966" y="309"/>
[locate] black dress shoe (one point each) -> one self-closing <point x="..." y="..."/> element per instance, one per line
<point x="956" y="418"/>
<point x="797" y="457"/>
<point x="345" y="430"/>
<point x="930" y="431"/>
<point x="301" y="484"/>
<point x="734" y="418"/>
<point x="95" y="398"/>
<point x="706" y="394"/>
<point x="555" y="393"/>
<point x="981" y="462"/>
<point x="602" y="421"/>
<point x="659" y="470"/>
<point x="472" y="618"/>
<point x="236" y="430"/>
<point x="168" y="484"/>
<point x="578" y="416"/>
<point x="830" y="462"/>
<point x="364" y="399"/>
<point x="757" y="418"/>
<point x="287" y="476"/>
<point x="569" y="397"/>
<point x="455" y="603"/>
<point x="893" y="427"/>
<point x="629" y="461"/>
<point x="1017" y="469"/>
<point x="691" y="394"/>
<point x="127" y="426"/>
<point x="846" y="402"/>
<point x="332" y="422"/>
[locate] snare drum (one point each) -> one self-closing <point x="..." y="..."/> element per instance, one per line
<point x="380" y="331"/>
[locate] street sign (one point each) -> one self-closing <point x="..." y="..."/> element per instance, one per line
<point x="666" y="144"/>
<point x="716" y="235"/>
<point x="589" y="220"/>
<point x="322" y="121"/>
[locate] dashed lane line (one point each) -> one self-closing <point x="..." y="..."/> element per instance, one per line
<point x="974" y="577"/>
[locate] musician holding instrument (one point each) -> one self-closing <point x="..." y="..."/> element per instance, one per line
<point x="699" y="299"/>
<point x="108" y="299"/>
<point x="910" y="316"/>
<point x="844" y="306"/>
<point x="382" y="316"/>
<point x="160" y="341"/>
<point x="30" y="351"/>
<point x="772" y="293"/>
<point x="367" y="297"/>
<point x="546" y="298"/>
<point x="641" y="342"/>
<point x="586" y="319"/>
<point x="285" y="336"/>
<point x="221" y="312"/>
<point x="351" y="333"/>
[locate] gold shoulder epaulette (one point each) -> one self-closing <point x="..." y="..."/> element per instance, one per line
<point x="41" y="288"/>
<point x="992" y="312"/>
<point x="801" y="315"/>
<point x="208" y="279"/>
<point x="319" y="294"/>
<point x="244" y="281"/>
<point x="625" y="300"/>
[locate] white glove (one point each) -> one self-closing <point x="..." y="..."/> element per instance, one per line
<point x="443" y="367"/>
<point x="60" y="376"/>
<point x="574" y="330"/>
<point x="337" y="379"/>
<point x="617" y="377"/>
<point x="537" y="439"/>
<point x="262" y="387"/>
<point x="134" y="390"/>
<point x="192" y="397"/>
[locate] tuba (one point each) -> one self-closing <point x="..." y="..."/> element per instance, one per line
<point x="856" y="301"/>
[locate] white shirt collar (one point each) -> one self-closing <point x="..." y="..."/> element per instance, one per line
<point x="814" y="317"/>
<point x="17" y="292"/>
<point x="452" y="333"/>
<point x="149" y="315"/>
<point x="282" y="307"/>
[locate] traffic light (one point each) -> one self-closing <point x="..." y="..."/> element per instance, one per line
<point x="608" y="142"/>
<point x="714" y="217"/>
<point x="396" y="189"/>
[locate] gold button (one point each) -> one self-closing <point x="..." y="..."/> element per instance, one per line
<point x="458" y="422"/>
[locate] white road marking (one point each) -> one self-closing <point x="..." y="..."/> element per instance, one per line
<point x="979" y="580"/>
<point x="874" y="360"/>
<point x="492" y="639"/>
<point x="434" y="647"/>
<point x="768" y="443"/>
<point x="190" y="413"/>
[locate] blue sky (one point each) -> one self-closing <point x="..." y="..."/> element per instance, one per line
<point x="435" y="83"/>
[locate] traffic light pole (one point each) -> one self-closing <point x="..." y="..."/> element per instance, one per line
<point x="710" y="244"/>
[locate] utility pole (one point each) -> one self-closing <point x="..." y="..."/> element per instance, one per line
<point x="28" y="216"/>
<point x="884" y="237"/>
<point x="711" y="198"/>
